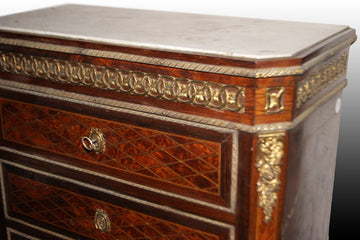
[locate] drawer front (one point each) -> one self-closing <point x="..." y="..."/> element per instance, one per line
<point x="194" y="166"/>
<point x="67" y="212"/>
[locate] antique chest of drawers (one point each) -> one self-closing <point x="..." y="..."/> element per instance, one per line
<point x="128" y="124"/>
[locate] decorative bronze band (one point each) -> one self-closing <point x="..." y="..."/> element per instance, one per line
<point x="228" y="70"/>
<point x="270" y="152"/>
<point x="317" y="81"/>
<point x="200" y="93"/>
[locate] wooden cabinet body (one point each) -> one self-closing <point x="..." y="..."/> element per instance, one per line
<point x="129" y="124"/>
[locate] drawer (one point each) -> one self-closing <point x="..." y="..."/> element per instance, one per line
<point x="54" y="205"/>
<point x="149" y="154"/>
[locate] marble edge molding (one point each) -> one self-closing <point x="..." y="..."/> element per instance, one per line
<point x="202" y="67"/>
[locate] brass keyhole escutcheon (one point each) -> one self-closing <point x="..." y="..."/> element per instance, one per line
<point x="102" y="221"/>
<point x="95" y="141"/>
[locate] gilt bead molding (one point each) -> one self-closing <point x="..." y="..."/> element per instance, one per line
<point x="200" y="93"/>
<point x="270" y="153"/>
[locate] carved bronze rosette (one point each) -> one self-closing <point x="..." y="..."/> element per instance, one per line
<point x="270" y="152"/>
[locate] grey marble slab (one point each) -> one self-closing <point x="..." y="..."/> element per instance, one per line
<point x="239" y="38"/>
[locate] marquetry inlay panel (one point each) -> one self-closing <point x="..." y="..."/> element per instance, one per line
<point x="182" y="161"/>
<point x="74" y="212"/>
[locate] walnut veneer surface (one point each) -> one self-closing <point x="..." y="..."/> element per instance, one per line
<point x="219" y="128"/>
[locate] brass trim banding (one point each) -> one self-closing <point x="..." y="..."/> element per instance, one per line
<point x="200" y="93"/>
<point x="274" y="100"/>
<point x="235" y="71"/>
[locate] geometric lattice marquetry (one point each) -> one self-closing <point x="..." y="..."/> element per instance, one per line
<point x="76" y="213"/>
<point x="189" y="162"/>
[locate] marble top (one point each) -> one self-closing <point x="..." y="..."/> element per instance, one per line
<point x="234" y="37"/>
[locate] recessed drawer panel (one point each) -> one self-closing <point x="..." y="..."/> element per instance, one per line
<point x="41" y="200"/>
<point x="195" y="166"/>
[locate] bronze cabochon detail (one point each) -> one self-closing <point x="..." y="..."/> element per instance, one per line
<point x="274" y="100"/>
